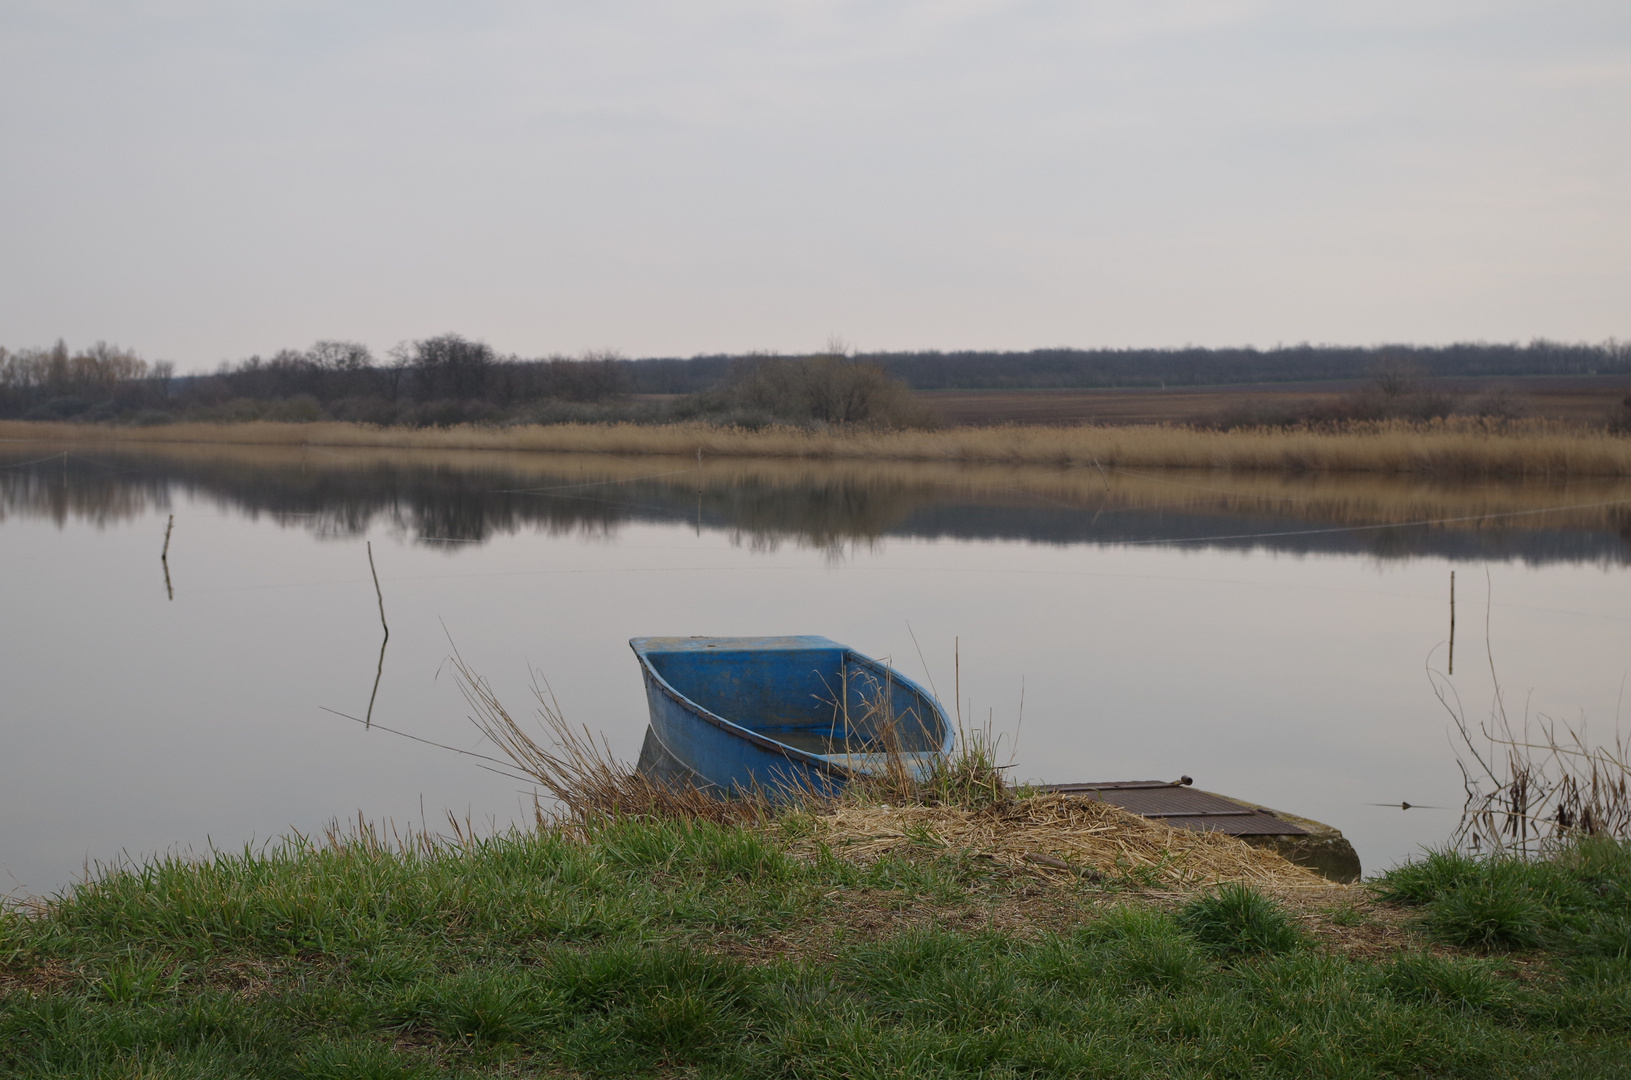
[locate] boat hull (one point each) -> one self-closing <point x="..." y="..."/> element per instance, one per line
<point x="761" y="683"/>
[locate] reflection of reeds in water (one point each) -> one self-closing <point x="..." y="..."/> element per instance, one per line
<point x="468" y="495"/>
<point x="1465" y="447"/>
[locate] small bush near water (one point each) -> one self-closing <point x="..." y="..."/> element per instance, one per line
<point x="664" y="948"/>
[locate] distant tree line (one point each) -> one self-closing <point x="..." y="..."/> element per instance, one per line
<point x="1089" y="368"/>
<point x="439" y="380"/>
<point x="452" y="379"/>
<point x="443" y="369"/>
<point x="103" y="380"/>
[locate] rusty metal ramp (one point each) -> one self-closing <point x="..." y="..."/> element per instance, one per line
<point x="1175" y="803"/>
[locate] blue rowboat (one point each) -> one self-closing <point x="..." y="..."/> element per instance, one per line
<point x="780" y="714"/>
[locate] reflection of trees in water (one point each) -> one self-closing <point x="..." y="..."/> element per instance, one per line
<point x="74" y="487"/>
<point x="426" y="503"/>
<point x="831" y="509"/>
<point x="829" y="514"/>
<point x="442" y="505"/>
<point x="1197" y="530"/>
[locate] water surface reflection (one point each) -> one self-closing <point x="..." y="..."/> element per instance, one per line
<point x="1264" y="634"/>
<point x="470" y="497"/>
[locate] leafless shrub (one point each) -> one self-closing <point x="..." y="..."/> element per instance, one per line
<point x="828" y="389"/>
<point x="1500" y="402"/>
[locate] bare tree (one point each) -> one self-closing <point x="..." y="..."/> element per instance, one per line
<point x="1396" y="376"/>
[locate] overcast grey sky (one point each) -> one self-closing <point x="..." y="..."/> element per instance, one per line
<point x="205" y="179"/>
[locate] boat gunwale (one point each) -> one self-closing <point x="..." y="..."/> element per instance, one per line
<point x="763" y="742"/>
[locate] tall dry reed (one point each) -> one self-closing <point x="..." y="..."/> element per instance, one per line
<point x="1536" y="785"/>
<point x="586" y="780"/>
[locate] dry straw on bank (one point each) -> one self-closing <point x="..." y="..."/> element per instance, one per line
<point x="1054" y="836"/>
<point x="1461" y="447"/>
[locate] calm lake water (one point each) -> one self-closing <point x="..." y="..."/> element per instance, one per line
<point x="1269" y="636"/>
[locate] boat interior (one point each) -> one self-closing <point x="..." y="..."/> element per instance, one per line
<point x="807" y="693"/>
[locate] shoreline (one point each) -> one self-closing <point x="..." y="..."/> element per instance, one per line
<point x="1457" y="448"/>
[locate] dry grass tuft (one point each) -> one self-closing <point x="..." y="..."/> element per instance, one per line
<point x="586" y="781"/>
<point x="1054" y="837"/>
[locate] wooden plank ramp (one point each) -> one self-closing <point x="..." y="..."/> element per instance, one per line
<point x="1178" y="803"/>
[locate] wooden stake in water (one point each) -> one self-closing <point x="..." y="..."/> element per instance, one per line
<point x="164" y="557"/>
<point x="1102" y="477"/>
<point x="1452" y="622"/>
<point x="368" y="718"/>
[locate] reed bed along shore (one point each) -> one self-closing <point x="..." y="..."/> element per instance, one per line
<point x="1457" y="447"/>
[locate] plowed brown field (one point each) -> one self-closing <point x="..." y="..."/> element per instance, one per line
<point x="1586" y="398"/>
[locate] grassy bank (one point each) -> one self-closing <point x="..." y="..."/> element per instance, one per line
<point x="695" y="949"/>
<point x="1461" y="448"/>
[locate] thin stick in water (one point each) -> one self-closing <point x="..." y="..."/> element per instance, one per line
<point x="1020" y="726"/>
<point x="1452" y="622"/>
<point x="380" y="596"/>
<point x="1102" y="477"/>
<point x="368" y="718"/>
<point x="164" y="557"/>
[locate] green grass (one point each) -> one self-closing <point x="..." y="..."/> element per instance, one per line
<point x="698" y="950"/>
<point x="1578" y="903"/>
<point x="1237" y="919"/>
